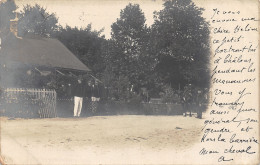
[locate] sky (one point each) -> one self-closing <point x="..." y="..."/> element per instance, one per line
<point x="100" y="13"/>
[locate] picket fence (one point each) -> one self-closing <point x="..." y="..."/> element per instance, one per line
<point x="28" y="103"/>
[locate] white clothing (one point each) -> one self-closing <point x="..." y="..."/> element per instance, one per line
<point x="77" y="105"/>
<point x="95" y="99"/>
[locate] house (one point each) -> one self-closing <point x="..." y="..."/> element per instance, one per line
<point x="34" y="53"/>
<point x="36" y="61"/>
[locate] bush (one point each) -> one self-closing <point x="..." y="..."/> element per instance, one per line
<point x="169" y="95"/>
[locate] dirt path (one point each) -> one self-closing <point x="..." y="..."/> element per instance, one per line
<point x="104" y="139"/>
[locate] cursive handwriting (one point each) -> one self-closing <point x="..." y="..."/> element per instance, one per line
<point x="233" y="114"/>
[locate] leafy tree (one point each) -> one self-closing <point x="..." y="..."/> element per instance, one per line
<point x="129" y="57"/>
<point x="129" y="30"/>
<point x="7" y="13"/>
<point x="181" y="44"/>
<point x="85" y="43"/>
<point x="36" y="20"/>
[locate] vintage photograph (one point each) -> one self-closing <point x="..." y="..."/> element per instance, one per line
<point x="102" y="82"/>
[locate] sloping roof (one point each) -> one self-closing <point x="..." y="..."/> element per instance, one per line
<point x="40" y="51"/>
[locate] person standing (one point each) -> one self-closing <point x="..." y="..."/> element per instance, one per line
<point x="187" y="99"/>
<point x="88" y="94"/>
<point x="78" y="97"/>
<point x="95" y="96"/>
<point x="199" y="102"/>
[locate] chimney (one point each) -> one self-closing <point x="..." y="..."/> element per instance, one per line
<point x="13" y="25"/>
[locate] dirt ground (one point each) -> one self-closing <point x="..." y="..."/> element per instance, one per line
<point x="99" y="140"/>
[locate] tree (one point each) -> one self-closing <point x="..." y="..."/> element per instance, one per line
<point x="7" y="12"/>
<point x="181" y="44"/>
<point x="36" y="20"/>
<point x="129" y="58"/>
<point x="85" y="43"/>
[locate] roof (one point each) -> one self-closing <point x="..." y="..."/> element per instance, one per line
<point x="39" y="51"/>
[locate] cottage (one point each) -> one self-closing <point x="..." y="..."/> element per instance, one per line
<point x="35" y="52"/>
<point x="29" y="67"/>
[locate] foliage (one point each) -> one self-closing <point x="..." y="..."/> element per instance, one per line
<point x="170" y="95"/>
<point x="162" y="58"/>
<point x="128" y="56"/>
<point x="181" y="43"/>
<point x="85" y="43"/>
<point x="36" y="20"/>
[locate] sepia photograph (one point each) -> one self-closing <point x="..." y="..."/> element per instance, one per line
<point x="126" y="82"/>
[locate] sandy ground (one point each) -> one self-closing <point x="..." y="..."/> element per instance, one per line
<point x="99" y="140"/>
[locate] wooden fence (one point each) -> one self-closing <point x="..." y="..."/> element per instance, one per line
<point x="162" y="109"/>
<point x="43" y="103"/>
<point x="65" y="108"/>
<point x="28" y="103"/>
